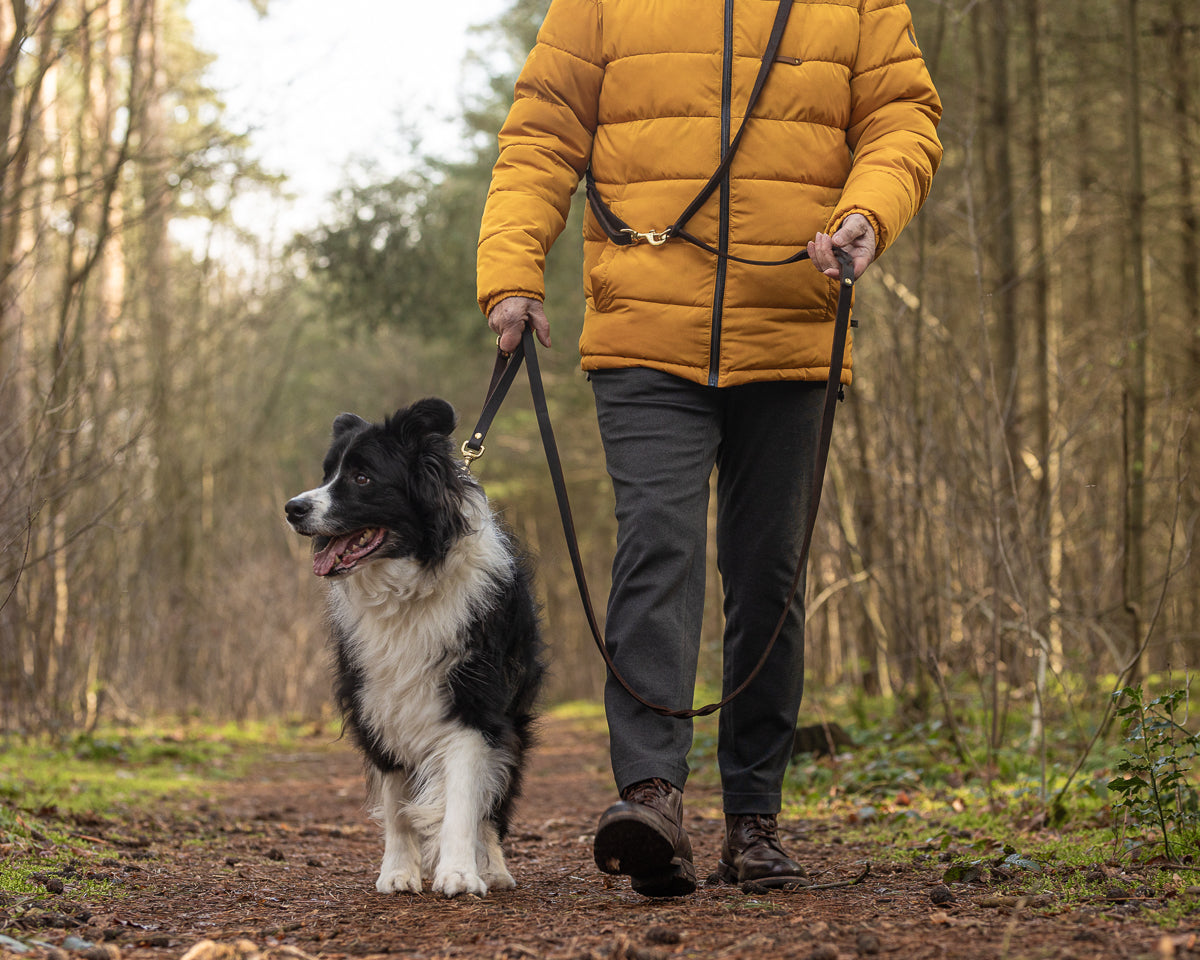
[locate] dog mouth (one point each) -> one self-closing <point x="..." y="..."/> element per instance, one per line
<point x="343" y="553"/>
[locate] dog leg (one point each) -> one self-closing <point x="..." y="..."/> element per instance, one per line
<point x="491" y="859"/>
<point x="467" y="785"/>
<point x="401" y="869"/>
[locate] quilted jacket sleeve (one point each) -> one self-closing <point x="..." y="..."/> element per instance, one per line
<point x="893" y="127"/>
<point x="545" y="145"/>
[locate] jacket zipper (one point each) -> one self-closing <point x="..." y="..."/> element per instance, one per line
<point x="714" y="350"/>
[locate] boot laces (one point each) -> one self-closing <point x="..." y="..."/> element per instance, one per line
<point x="762" y="829"/>
<point x="647" y="791"/>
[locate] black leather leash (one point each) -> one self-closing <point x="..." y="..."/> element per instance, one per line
<point x="505" y="371"/>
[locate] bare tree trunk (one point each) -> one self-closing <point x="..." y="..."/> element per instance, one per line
<point x="992" y="29"/>
<point x="167" y="545"/>
<point x="1183" y="106"/>
<point x="13" y="552"/>
<point x="1136" y="347"/>
<point x="931" y="547"/>
<point x="1002" y="197"/>
<point x="110" y="309"/>
<point x="1046" y="309"/>
<point x="28" y="50"/>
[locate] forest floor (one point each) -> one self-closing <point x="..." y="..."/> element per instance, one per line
<point x="281" y="863"/>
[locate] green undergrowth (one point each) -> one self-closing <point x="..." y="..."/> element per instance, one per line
<point x="90" y="772"/>
<point x="1015" y="818"/>
<point x="58" y="795"/>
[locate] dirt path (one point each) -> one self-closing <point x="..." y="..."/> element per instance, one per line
<point x="284" y="863"/>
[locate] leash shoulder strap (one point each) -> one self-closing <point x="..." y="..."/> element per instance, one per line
<point x="619" y="232"/>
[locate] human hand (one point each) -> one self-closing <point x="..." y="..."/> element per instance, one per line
<point x="856" y="236"/>
<point x="508" y="318"/>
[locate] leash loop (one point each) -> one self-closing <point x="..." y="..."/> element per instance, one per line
<point x="503" y="374"/>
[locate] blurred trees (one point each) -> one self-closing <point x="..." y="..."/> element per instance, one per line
<point x="1045" y="536"/>
<point x="119" y="360"/>
<point x="1012" y="504"/>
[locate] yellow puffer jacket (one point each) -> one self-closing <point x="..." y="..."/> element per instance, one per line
<point x="650" y="92"/>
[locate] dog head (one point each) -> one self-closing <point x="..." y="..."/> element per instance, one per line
<point x="390" y="490"/>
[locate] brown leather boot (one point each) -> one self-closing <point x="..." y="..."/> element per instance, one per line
<point x="752" y="853"/>
<point x="642" y="837"/>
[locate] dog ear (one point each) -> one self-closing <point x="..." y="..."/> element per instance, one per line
<point x="345" y="422"/>
<point x="435" y="480"/>
<point x="432" y="415"/>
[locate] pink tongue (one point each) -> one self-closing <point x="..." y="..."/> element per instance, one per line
<point x="327" y="559"/>
<point x="343" y="552"/>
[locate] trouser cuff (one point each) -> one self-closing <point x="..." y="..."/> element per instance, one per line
<point x="744" y="804"/>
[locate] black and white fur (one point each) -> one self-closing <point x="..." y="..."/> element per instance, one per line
<point x="436" y="640"/>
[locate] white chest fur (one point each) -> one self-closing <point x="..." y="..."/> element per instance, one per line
<point x="406" y="629"/>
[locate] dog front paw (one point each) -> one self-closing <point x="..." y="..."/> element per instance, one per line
<point x="399" y="881"/>
<point x="452" y="883"/>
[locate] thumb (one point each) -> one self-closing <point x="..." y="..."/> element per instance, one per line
<point x="854" y="228"/>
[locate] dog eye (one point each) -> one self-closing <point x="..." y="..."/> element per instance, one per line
<point x="361" y="479"/>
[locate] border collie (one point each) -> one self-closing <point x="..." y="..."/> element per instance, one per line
<point x="437" y="644"/>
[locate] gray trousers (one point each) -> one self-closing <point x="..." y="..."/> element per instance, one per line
<point x="662" y="438"/>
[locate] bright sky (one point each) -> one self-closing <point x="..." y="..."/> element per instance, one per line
<point x="320" y="82"/>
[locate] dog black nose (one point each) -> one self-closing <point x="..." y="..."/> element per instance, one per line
<point x="297" y="509"/>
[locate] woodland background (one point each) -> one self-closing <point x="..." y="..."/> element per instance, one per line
<point x="1012" y="506"/>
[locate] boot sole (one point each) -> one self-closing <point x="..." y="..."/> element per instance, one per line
<point x="631" y="848"/>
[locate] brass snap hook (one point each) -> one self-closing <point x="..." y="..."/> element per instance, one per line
<point x="470" y="454"/>
<point x="656" y="238"/>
